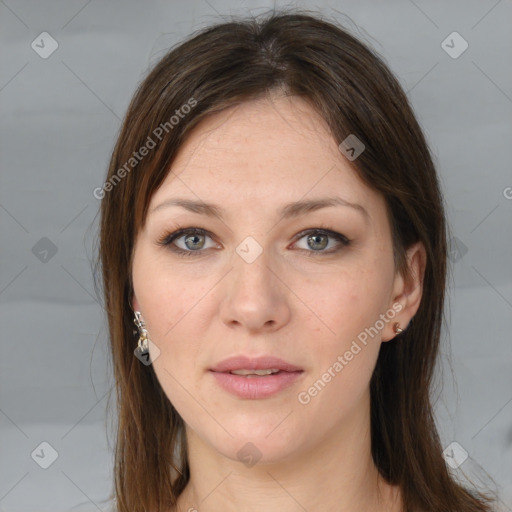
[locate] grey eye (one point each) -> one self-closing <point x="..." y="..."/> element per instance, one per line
<point x="194" y="241"/>
<point x="318" y="241"/>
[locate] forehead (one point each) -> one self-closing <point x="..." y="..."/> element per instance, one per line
<point x="272" y="150"/>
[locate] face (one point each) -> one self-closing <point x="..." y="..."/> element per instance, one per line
<point x="310" y="292"/>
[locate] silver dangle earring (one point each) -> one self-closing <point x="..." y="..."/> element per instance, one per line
<point x="143" y="344"/>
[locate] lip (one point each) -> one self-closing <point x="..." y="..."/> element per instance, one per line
<point x="255" y="387"/>
<point x="254" y="363"/>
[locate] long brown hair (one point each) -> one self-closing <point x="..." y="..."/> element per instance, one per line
<point x="354" y="91"/>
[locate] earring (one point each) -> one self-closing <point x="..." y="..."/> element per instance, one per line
<point x="396" y="328"/>
<point x="143" y="343"/>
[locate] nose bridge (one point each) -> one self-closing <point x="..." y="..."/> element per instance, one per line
<point x="253" y="265"/>
<point x="255" y="297"/>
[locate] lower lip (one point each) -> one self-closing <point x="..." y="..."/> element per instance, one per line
<point x="256" y="387"/>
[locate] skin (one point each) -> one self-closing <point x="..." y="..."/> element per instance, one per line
<point x="292" y="302"/>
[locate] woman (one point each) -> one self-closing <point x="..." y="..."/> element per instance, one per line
<point x="272" y="223"/>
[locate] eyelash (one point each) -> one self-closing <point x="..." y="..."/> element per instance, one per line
<point x="167" y="240"/>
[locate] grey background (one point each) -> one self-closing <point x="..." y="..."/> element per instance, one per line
<point x="59" y="120"/>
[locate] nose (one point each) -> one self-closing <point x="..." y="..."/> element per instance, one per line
<point x="256" y="298"/>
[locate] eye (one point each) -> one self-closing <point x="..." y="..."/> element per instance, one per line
<point x="193" y="240"/>
<point x="317" y="239"/>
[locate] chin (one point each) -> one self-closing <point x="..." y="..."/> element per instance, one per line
<point x="256" y="442"/>
<point x="257" y="451"/>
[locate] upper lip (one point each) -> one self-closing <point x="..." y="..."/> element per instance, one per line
<point x="254" y="363"/>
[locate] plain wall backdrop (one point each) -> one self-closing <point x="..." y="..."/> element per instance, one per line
<point x="67" y="72"/>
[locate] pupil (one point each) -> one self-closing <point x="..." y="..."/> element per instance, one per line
<point x="192" y="237"/>
<point x="315" y="238"/>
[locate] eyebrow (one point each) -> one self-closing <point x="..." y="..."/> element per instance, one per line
<point x="290" y="210"/>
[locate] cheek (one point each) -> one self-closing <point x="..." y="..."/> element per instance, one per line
<point x="349" y="308"/>
<point x="166" y="299"/>
<point x="343" y="356"/>
<point x="348" y="302"/>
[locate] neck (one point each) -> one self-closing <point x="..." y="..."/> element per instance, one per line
<point x="338" y="475"/>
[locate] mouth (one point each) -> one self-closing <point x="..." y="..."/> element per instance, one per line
<point x="255" y="378"/>
<point x="255" y="373"/>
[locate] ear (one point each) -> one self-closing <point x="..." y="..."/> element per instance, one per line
<point x="407" y="292"/>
